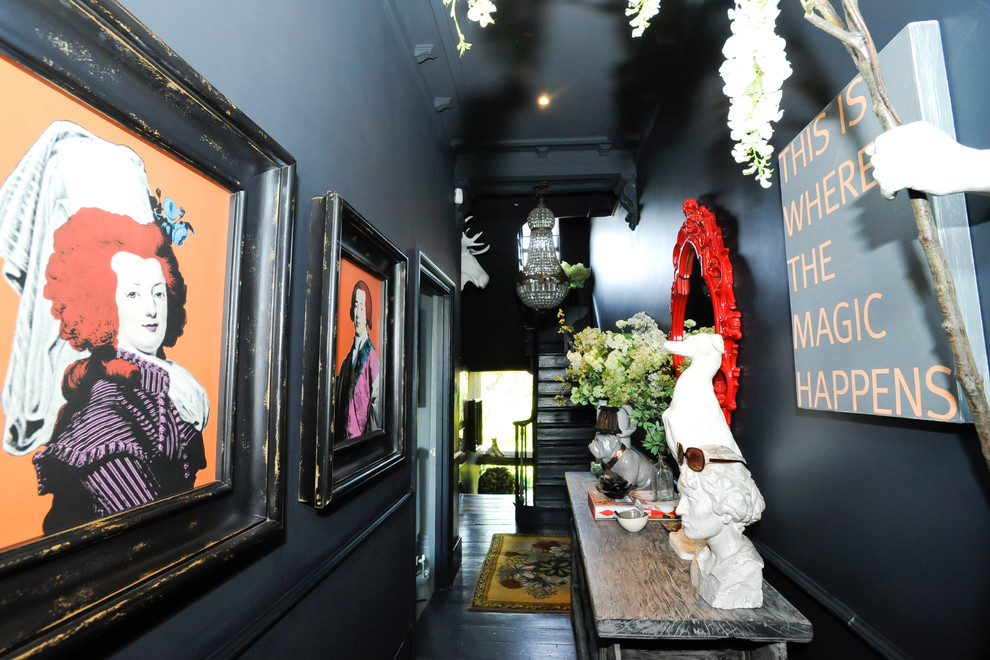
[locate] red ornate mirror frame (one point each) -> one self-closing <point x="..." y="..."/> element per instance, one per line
<point x="701" y="238"/>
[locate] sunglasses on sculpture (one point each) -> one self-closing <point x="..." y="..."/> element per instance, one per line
<point x="697" y="458"/>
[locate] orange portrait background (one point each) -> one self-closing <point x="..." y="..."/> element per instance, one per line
<point x="30" y="105"/>
<point x="350" y="273"/>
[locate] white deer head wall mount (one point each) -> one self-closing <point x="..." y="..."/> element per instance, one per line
<point x="471" y="270"/>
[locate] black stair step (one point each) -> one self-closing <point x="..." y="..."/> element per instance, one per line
<point x="572" y="410"/>
<point x="553" y="419"/>
<point x="550" y="451"/>
<point x="550" y="489"/>
<point x="552" y="444"/>
<point x="550" y="360"/>
<point x="549" y="374"/>
<point x="559" y="415"/>
<point x="560" y="399"/>
<point x="565" y="434"/>
<point x="558" y="440"/>
<point x="551" y="389"/>
<point x="558" y="467"/>
<point x="553" y="503"/>
<point x="551" y="402"/>
<point x="573" y="452"/>
<point x="561" y="444"/>
<point x="554" y="483"/>
<point x="581" y="462"/>
<point x="551" y="473"/>
<point x="565" y="431"/>
<point x="565" y="444"/>
<point x="567" y="438"/>
<point x="550" y="383"/>
<point x="557" y="470"/>
<point x="551" y="496"/>
<point x="572" y="415"/>
<point x="576" y="462"/>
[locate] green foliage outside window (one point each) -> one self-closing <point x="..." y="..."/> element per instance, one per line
<point x="496" y="480"/>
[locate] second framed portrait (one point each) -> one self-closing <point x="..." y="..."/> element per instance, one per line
<point x="353" y="409"/>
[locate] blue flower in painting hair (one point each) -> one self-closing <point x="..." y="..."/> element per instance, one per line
<point x="170" y="209"/>
<point x="168" y="215"/>
<point x="180" y="231"/>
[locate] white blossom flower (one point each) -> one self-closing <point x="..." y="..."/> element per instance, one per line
<point x="641" y="11"/>
<point x="480" y="11"/>
<point x="754" y="71"/>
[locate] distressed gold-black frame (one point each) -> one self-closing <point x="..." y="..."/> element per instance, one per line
<point x="67" y="588"/>
<point x="331" y="465"/>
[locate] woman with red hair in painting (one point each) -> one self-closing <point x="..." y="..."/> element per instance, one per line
<point x="130" y="431"/>
<point x="358" y="397"/>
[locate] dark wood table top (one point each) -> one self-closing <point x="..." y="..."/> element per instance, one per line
<point x="640" y="588"/>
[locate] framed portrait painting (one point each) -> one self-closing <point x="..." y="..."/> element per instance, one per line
<point x="355" y="411"/>
<point x="144" y="242"/>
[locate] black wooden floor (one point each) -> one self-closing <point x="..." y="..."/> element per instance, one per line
<point x="447" y="630"/>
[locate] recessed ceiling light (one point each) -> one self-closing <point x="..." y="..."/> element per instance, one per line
<point x="544" y="100"/>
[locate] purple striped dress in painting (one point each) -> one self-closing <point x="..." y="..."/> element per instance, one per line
<point x="118" y="443"/>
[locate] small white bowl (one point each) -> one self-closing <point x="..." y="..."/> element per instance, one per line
<point x="632" y="520"/>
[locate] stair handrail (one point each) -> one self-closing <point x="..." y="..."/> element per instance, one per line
<point x="521" y="437"/>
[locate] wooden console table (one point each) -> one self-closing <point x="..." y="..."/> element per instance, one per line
<point x="632" y="597"/>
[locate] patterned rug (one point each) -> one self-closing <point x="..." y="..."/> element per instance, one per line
<point x="525" y="573"/>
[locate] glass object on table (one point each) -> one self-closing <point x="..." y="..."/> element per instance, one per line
<point x="663" y="481"/>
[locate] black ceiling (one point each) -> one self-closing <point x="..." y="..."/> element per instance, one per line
<point x="603" y="84"/>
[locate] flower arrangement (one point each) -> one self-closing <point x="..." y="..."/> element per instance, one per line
<point x="754" y="71"/>
<point x="626" y="367"/>
<point x="577" y="274"/>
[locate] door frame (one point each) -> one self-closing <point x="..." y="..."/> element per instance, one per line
<point x="448" y="543"/>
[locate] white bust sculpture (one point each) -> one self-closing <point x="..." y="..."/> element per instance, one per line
<point x="694" y="415"/>
<point x="718" y="500"/>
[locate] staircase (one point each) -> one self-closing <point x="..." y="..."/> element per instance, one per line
<point x="561" y="434"/>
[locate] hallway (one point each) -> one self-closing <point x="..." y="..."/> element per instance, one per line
<point x="447" y="630"/>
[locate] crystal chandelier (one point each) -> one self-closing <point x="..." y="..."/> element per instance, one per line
<point x="542" y="284"/>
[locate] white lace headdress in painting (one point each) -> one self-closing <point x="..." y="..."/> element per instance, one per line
<point x="66" y="169"/>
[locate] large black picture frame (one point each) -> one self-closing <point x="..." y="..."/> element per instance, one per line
<point x="333" y="464"/>
<point x="67" y="588"/>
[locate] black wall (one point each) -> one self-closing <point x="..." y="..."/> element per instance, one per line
<point x="886" y="520"/>
<point x="329" y="82"/>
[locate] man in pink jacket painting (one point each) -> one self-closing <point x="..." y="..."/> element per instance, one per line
<point x="358" y="388"/>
